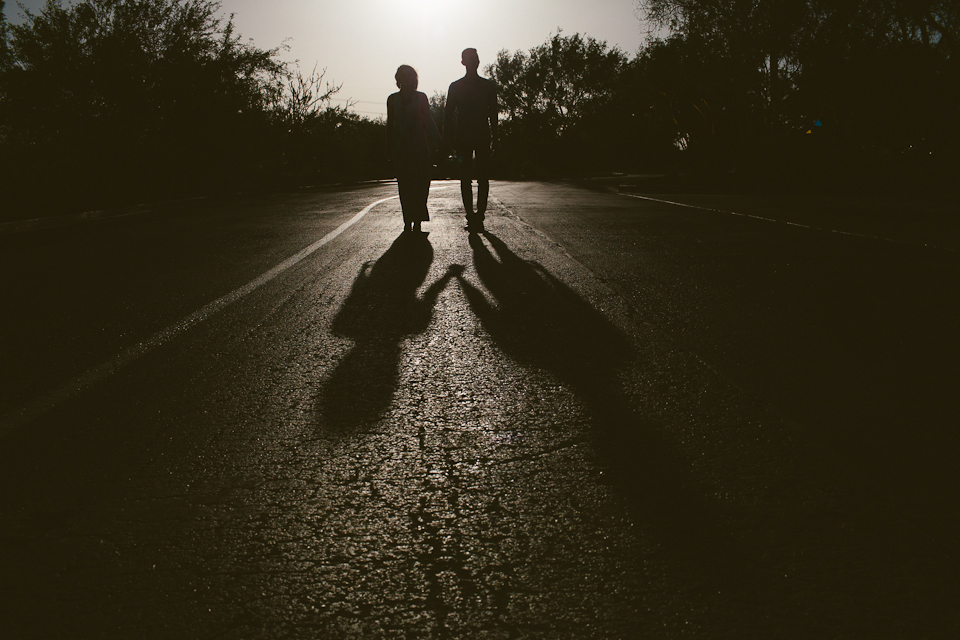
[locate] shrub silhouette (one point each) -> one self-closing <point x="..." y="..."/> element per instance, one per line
<point x="106" y="101"/>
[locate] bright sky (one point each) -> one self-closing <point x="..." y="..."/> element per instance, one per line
<point x="362" y="42"/>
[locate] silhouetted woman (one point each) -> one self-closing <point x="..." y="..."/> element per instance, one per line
<point x="411" y="133"/>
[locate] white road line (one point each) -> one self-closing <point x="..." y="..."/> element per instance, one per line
<point x="19" y="418"/>
<point x="792" y="224"/>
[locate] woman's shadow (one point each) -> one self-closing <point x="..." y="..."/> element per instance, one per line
<point x="381" y="311"/>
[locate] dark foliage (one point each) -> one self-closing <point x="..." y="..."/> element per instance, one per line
<point x="108" y="102"/>
<point x="802" y="93"/>
<point x="570" y="106"/>
<point x="810" y="92"/>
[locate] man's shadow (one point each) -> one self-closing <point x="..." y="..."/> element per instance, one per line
<point x="381" y="311"/>
<point x="542" y="323"/>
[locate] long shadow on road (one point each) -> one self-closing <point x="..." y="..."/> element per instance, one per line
<point x="541" y="323"/>
<point x="381" y="311"/>
<point x="732" y="558"/>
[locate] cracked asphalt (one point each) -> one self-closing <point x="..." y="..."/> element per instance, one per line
<point x="602" y="418"/>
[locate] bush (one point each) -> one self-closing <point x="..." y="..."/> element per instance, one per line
<point x="107" y="102"/>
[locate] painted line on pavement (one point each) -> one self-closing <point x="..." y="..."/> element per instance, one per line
<point x="792" y="224"/>
<point x="19" y="418"/>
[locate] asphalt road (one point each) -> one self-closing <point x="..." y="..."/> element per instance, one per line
<point x="609" y="416"/>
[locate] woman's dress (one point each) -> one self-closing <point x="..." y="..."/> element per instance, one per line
<point x="412" y="128"/>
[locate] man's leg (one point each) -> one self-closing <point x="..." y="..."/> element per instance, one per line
<point x="423" y="193"/>
<point x="465" y="162"/>
<point x="483" y="178"/>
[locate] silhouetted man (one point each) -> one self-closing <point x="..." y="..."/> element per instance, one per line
<point x="471" y="111"/>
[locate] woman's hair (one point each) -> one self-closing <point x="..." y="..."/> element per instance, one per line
<point x="407" y="76"/>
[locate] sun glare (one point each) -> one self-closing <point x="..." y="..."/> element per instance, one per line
<point x="420" y="5"/>
<point x="425" y="16"/>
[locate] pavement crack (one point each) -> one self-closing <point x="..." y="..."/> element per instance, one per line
<point x="569" y="443"/>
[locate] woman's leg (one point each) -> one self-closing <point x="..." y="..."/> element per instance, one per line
<point x="407" y="201"/>
<point x="420" y="213"/>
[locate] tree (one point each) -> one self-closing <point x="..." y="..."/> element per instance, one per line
<point x="438" y="102"/>
<point x="5" y="61"/>
<point x="114" y="100"/>
<point x="877" y="76"/>
<point x="304" y="98"/>
<point x="757" y="39"/>
<point x="122" y="96"/>
<point x="549" y="94"/>
<point x="563" y="80"/>
<point x="4" y="47"/>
